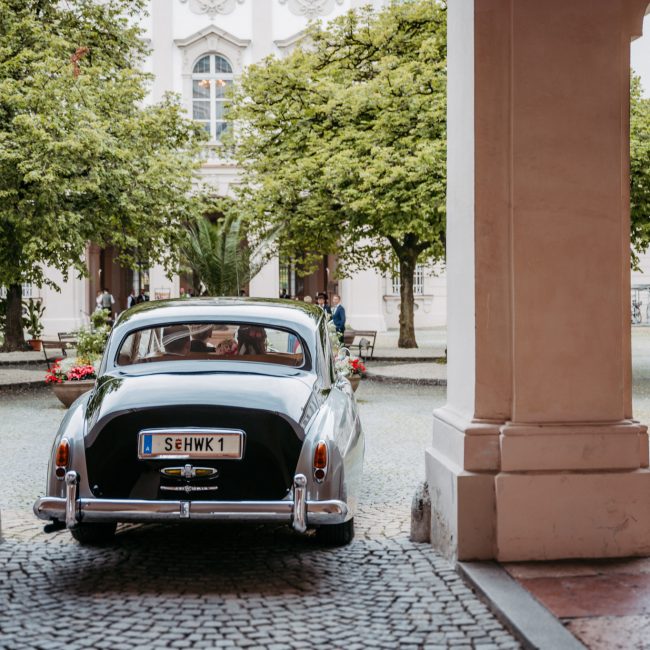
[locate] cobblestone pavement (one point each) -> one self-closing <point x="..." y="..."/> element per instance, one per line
<point x="238" y="586"/>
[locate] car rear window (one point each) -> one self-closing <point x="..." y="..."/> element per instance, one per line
<point x="212" y="342"/>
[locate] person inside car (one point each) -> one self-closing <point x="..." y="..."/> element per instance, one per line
<point x="200" y="336"/>
<point x="176" y="340"/>
<point x="251" y="339"/>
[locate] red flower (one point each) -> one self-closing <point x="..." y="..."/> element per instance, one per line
<point x="77" y="373"/>
<point x="358" y="368"/>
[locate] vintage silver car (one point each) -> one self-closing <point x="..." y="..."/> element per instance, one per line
<point x="211" y="410"/>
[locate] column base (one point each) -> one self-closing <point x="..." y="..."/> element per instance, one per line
<point x="573" y="510"/>
<point x="462" y="510"/>
<point x="572" y="515"/>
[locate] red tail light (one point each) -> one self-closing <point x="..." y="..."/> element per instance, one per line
<point x="320" y="456"/>
<point x="63" y="453"/>
<point x="320" y="461"/>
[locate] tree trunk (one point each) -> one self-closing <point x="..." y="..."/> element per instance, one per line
<point x="196" y="284"/>
<point x="407" y="262"/>
<point x="14" y="339"/>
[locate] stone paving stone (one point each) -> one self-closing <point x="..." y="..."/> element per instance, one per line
<point x="237" y="586"/>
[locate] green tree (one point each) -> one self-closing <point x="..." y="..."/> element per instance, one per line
<point x="343" y="145"/>
<point x="219" y="255"/>
<point x="639" y="169"/>
<point x="81" y="159"/>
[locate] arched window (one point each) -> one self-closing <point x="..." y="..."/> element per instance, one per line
<point x="211" y="76"/>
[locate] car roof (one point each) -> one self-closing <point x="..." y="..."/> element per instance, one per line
<point x="273" y="308"/>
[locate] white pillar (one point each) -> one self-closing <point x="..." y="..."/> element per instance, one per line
<point x="536" y="456"/>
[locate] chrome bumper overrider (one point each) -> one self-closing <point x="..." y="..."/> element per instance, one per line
<point x="300" y="512"/>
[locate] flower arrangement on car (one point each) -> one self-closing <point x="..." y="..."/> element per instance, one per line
<point x="72" y="369"/>
<point x="351" y="366"/>
<point x="335" y="340"/>
<point x="357" y="367"/>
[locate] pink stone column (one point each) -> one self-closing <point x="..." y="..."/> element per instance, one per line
<point x="536" y="455"/>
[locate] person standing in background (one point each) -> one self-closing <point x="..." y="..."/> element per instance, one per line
<point x="108" y="301"/>
<point x="132" y="300"/>
<point x="338" y="315"/>
<point x="321" y="298"/>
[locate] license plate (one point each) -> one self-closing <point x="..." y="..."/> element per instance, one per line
<point x="191" y="443"/>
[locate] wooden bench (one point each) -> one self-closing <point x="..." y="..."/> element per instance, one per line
<point x="66" y="341"/>
<point x="364" y="340"/>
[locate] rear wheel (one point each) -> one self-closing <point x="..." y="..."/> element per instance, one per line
<point x="92" y="534"/>
<point x="336" y="534"/>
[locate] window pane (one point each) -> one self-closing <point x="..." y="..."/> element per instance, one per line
<point x="212" y="342"/>
<point x="201" y="110"/>
<point x="206" y="126"/>
<point x="221" y="109"/>
<point x="221" y="87"/>
<point x="222" y="127"/>
<point x="418" y="284"/>
<point x="202" y="65"/>
<point x="221" y="65"/>
<point x="201" y="88"/>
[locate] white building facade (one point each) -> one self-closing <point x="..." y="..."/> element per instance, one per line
<point x="199" y="48"/>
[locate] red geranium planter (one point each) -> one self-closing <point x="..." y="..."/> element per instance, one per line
<point x="72" y="383"/>
<point x="68" y="391"/>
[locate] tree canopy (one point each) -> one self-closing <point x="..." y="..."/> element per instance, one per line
<point x="81" y="158"/>
<point x="343" y="144"/>
<point x="219" y="256"/>
<point x="639" y="168"/>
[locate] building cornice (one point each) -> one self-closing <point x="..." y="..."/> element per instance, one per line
<point x="212" y="30"/>
<point x="289" y="43"/>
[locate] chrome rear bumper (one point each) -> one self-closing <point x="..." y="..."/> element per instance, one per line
<point x="299" y="511"/>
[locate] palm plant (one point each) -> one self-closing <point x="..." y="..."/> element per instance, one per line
<point x="219" y="255"/>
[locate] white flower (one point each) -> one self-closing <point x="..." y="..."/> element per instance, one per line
<point x="343" y="366"/>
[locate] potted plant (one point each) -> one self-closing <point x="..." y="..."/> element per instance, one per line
<point x="32" y="315"/>
<point x="71" y="378"/>
<point x="91" y="340"/>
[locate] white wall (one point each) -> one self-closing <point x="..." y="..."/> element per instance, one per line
<point x="460" y="208"/>
<point x="266" y="284"/>
<point x="159" y="282"/>
<point x="641" y="56"/>
<point x="362" y="297"/>
<point x="66" y="310"/>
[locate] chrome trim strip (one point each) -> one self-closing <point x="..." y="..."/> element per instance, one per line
<point x="300" y="504"/>
<point x="190" y="488"/>
<point x="317" y="512"/>
<point x="71" y="482"/>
